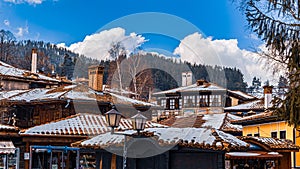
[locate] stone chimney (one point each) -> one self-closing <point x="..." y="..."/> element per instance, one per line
<point x="187" y="78"/>
<point x="268" y="96"/>
<point x="33" y="60"/>
<point x="96" y="77"/>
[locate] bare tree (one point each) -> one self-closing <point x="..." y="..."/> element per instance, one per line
<point x="6" y="42"/>
<point x="117" y="53"/>
<point x="141" y="77"/>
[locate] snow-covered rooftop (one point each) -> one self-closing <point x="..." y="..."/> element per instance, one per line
<point x="242" y="94"/>
<point x="193" y="88"/>
<point x="71" y="92"/>
<point x="201" y="138"/>
<point x="81" y="125"/>
<point x="7" y="147"/>
<point x="8" y="70"/>
<point x="219" y="121"/>
<point x="123" y="99"/>
<point x="253" y="105"/>
<point x="7" y="127"/>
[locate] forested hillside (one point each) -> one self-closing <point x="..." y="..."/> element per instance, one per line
<point x="52" y="59"/>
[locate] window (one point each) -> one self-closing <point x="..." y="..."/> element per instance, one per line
<point x="215" y="100"/>
<point x="163" y="103"/>
<point x="189" y="101"/>
<point x="282" y="134"/>
<point x="180" y="103"/>
<point x="256" y="135"/>
<point x="274" y="134"/>
<point x="249" y="134"/>
<point x="172" y="104"/>
<point x="202" y="101"/>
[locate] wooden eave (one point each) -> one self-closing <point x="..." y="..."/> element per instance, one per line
<point x="27" y="79"/>
<point x="239" y="96"/>
<point x="9" y="133"/>
<point x="52" y="138"/>
<point x="257" y="121"/>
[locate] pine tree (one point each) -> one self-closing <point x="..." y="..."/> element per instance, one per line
<point x="277" y="23"/>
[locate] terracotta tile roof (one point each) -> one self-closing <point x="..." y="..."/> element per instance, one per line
<point x="257" y="118"/>
<point x="271" y="144"/>
<point x="219" y="121"/>
<point x="200" y="138"/>
<point x="80" y="125"/>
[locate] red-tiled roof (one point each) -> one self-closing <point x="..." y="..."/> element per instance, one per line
<point x="271" y="144"/>
<point x="219" y="121"/>
<point x="80" y="125"/>
<point x="257" y="118"/>
<point x="201" y="138"/>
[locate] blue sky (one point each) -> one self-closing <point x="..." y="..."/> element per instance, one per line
<point x="198" y="31"/>
<point x="70" y="21"/>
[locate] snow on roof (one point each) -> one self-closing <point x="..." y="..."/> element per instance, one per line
<point x="117" y="91"/>
<point x="8" y="70"/>
<point x="72" y="92"/>
<point x="193" y="88"/>
<point x="7" y="147"/>
<point x="124" y="99"/>
<point x="7" y="127"/>
<point x="207" y="87"/>
<point x="214" y="120"/>
<point x="253" y="105"/>
<point x="219" y="121"/>
<point x="34" y="94"/>
<point x="242" y="94"/>
<point x="201" y="138"/>
<point x="81" y="125"/>
<point x="8" y="94"/>
<point x="174" y="90"/>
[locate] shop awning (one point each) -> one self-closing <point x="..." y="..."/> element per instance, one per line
<point x="7" y="147"/>
<point x="253" y="155"/>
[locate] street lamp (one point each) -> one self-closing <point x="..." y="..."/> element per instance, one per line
<point x="113" y="118"/>
<point x="138" y="122"/>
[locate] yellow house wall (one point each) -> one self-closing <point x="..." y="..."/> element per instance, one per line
<point x="266" y="129"/>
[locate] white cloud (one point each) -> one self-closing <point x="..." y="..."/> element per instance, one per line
<point x="32" y="2"/>
<point x="6" y="22"/>
<point x="195" y="48"/>
<point x="96" y="46"/>
<point x="22" y="31"/>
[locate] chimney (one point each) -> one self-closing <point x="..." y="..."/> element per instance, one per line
<point x="96" y="77"/>
<point x="33" y="60"/>
<point x="187" y="78"/>
<point x="268" y="96"/>
<point x="201" y="82"/>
